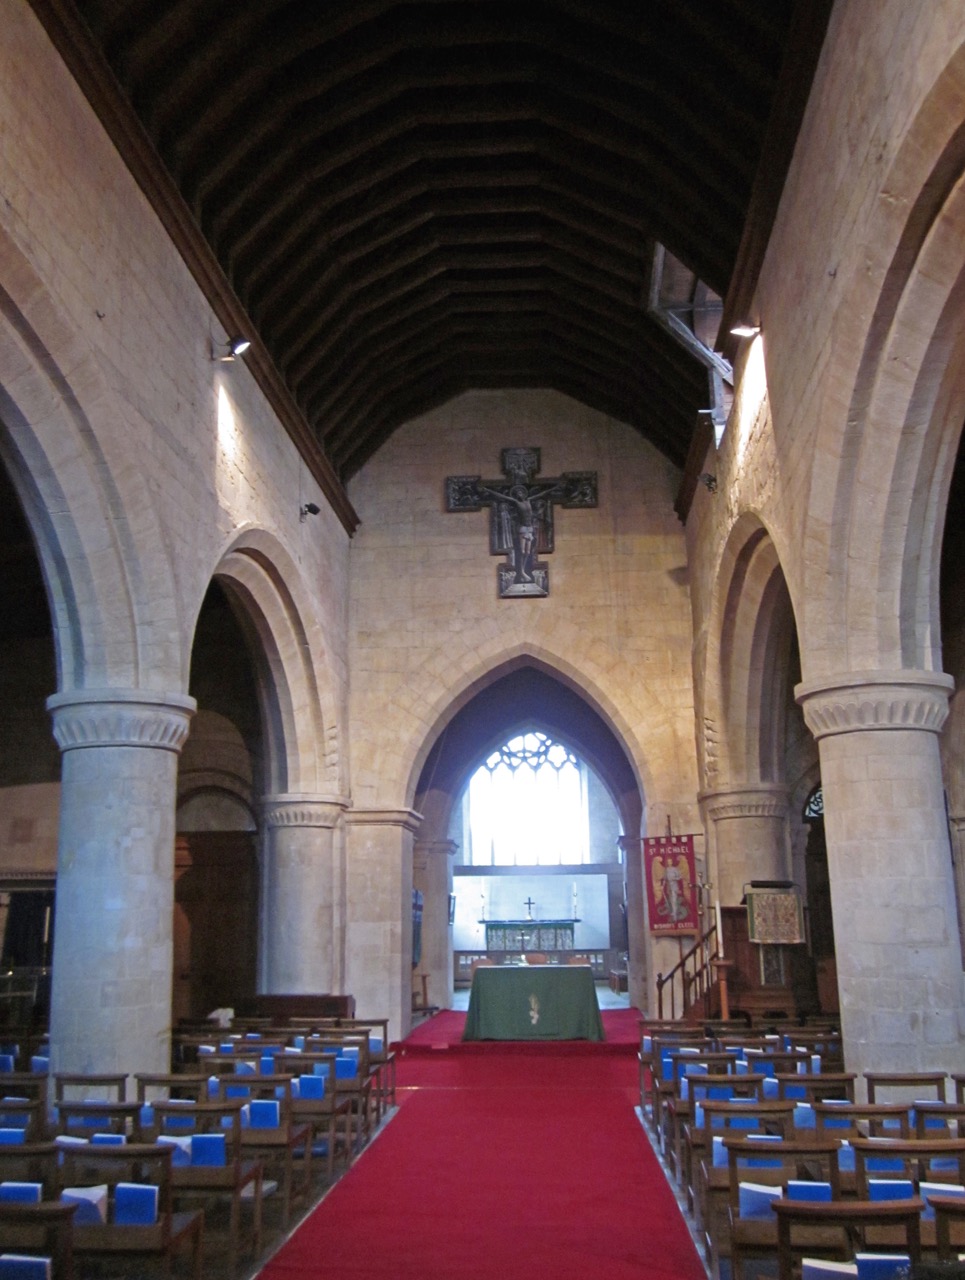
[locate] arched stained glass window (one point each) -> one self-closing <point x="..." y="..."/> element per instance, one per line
<point x="814" y="806"/>
<point x="528" y="805"/>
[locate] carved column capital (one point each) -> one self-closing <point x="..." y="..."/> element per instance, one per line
<point x="406" y="818"/>
<point x="436" y="848"/>
<point x="746" y="800"/>
<point x="120" y="718"/>
<point x="873" y="700"/>
<point x="302" y="810"/>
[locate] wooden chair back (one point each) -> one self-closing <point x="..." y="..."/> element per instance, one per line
<point x="851" y="1220"/>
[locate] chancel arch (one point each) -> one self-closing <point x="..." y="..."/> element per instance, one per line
<point x="521" y="697"/>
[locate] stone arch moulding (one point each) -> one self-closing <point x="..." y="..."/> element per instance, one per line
<point x="890" y="451"/>
<point x="295" y="677"/>
<point x="747" y="648"/>
<point x="444" y="708"/>
<point x="103" y="557"/>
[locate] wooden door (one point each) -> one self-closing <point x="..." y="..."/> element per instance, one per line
<point x="215" y="921"/>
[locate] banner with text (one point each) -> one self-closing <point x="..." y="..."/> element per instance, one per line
<point x="671" y="884"/>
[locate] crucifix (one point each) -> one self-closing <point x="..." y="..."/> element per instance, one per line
<point x="521" y="515"/>
<point x="529" y="904"/>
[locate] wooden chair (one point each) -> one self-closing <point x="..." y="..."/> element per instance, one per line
<point x="45" y="1229"/>
<point x="912" y="1160"/>
<point x="133" y="1163"/>
<point x="679" y="1108"/>
<point x="946" y="1117"/>
<point x="32" y="1162"/>
<point x="689" y="1138"/>
<point x="840" y="1228"/>
<point x="329" y="1115"/>
<point x="922" y="1084"/>
<point x="275" y="1144"/>
<point x="949" y="1223"/>
<point x="25" y="1084"/>
<point x="28" y="1114"/>
<point x="381" y="1056"/>
<point x="171" y="1084"/>
<point x="816" y="1086"/>
<point x="91" y="1084"/>
<point x="710" y="1190"/>
<point x="675" y="1064"/>
<point x="787" y="1159"/>
<point x="357" y="1086"/>
<point x="81" y="1119"/>
<point x="237" y="1179"/>
<point x="862" y="1120"/>
<point x="654" y="1041"/>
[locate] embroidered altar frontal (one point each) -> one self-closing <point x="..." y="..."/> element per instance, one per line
<point x="538" y="1002"/>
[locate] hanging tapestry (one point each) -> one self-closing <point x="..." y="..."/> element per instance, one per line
<point x="671" y="884"/>
<point x="774" y="915"/>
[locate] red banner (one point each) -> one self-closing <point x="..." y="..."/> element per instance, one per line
<point x="668" y="863"/>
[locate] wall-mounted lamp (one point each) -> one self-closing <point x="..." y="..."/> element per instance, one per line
<point x="231" y="349"/>
<point x="708" y="481"/>
<point x="309" y="509"/>
<point x="745" y="330"/>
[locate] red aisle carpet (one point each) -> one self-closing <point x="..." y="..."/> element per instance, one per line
<point x="501" y="1166"/>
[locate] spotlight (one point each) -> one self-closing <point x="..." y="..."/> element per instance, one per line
<point x="309" y="509"/>
<point x="709" y="482"/>
<point x="233" y="348"/>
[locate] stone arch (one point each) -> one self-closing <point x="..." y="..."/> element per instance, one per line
<point x="887" y="456"/>
<point x="291" y="655"/>
<point x="488" y="665"/>
<point x="750" y="644"/>
<point x="525" y="687"/>
<point x="104" y="561"/>
<point x="512" y="701"/>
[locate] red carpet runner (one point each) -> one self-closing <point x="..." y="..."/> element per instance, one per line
<point x="501" y="1166"/>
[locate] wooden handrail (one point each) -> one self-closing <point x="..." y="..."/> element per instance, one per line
<point x="692" y="976"/>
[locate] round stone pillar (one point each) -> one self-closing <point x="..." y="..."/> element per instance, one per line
<point x="113" y="953"/>
<point x="432" y="873"/>
<point x="378" y="930"/>
<point x="747" y="830"/>
<point x="301" y="893"/>
<point x="892" y="891"/>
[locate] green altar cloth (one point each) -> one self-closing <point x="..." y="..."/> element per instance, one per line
<point x="533" y="1002"/>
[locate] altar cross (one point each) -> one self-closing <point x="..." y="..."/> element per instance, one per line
<point x="529" y="904"/>
<point x="521" y="515"/>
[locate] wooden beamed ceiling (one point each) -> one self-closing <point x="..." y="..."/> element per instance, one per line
<point x="410" y="200"/>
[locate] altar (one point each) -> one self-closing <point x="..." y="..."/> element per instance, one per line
<point x="530" y="935"/>
<point x="533" y="1002"/>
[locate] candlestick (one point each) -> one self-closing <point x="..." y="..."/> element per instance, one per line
<point x="720" y="932"/>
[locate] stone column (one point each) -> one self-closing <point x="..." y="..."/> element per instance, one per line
<point x="432" y="873"/>
<point x="892" y="891"/>
<point x="378" y="930"/>
<point x="300" y="892"/>
<point x="747" y="831"/>
<point x="111" y="993"/>
<point x="640" y="967"/>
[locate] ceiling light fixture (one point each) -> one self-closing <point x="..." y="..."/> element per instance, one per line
<point x="709" y="482"/>
<point x="745" y="330"/>
<point x="309" y="509"/>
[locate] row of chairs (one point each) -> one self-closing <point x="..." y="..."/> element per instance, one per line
<point x="705" y="1094"/>
<point x="252" y="1112"/>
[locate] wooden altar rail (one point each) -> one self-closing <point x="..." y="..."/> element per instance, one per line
<point x="602" y="961"/>
<point x="690" y="981"/>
